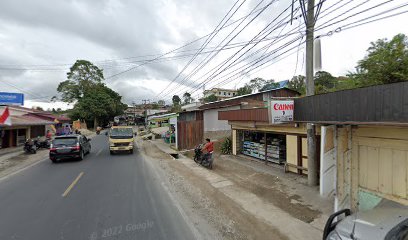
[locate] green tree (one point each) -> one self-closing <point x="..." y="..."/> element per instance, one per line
<point x="386" y="62"/>
<point x="83" y="75"/>
<point x="324" y="82"/>
<point x="257" y="83"/>
<point x="187" y="98"/>
<point x="176" y="104"/>
<point x="211" y="98"/>
<point x="269" y="85"/>
<point x="99" y="104"/>
<point x="298" y="83"/>
<point x="244" y="90"/>
<point x="176" y="100"/>
<point x="94" y="101"/>
<point x="38" y="108"/>
<point x="155" y="105"/>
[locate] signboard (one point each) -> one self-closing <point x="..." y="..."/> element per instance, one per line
<point x="282" y="111"/>
<point x="173" y="120"/>
<point x="11" y="98"/>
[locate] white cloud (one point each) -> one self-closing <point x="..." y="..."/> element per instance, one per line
<point x="49" y="32"/>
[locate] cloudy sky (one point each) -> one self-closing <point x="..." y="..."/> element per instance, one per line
<point x="134" y="41"/>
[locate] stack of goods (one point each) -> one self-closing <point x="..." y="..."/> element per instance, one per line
<point x="276" y="151"/>
<point x="254" y="149"/>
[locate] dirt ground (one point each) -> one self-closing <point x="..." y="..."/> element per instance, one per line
<point x="206" y="205"/>
<point x="13" y="164"/>
<point x="265" y="186"/>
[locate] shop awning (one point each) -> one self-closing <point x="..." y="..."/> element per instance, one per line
<point x="252" y="114"/>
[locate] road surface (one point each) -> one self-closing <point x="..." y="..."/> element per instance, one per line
<point x="101" y="197"/>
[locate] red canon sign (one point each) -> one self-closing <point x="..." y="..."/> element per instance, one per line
<point x="278" y="106"/>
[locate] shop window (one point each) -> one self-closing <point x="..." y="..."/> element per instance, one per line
<point x="253" y="145"/>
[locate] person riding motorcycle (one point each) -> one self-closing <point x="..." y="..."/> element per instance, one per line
<point x="208" y="149"/>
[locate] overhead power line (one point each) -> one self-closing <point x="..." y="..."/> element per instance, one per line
<point x="232" y="64"/>
<point x="208" y="59"/>
<point x="367" y="18"/>
<point x="210" y="37"/>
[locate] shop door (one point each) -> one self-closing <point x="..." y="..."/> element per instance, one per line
<point x="13" y="138"/>
<point x="5" y="140"/>
<point x="21" y="136"/>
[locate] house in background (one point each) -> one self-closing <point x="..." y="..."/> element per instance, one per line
<point x="25" y="123"/>
<point x="220" y="93"/>
<point x="218" y="128"/>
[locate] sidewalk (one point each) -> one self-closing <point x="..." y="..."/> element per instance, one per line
<point x="7" y="153"/>
<point x="263" y="194"/>
<point x="10" y="164"/>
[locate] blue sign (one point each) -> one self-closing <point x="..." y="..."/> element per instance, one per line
<point x="11" y="98"/>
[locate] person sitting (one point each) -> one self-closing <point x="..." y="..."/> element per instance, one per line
<point x="208" y="149"/>
<point x="48" y="136"/>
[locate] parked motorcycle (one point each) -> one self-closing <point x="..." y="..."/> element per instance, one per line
<point x="203" y="159"/>
<point x="46" y="143"/>
<point x="30" y="146"/>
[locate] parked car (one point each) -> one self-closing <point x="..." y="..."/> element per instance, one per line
<point x="69" y="146"/>
<point x="385" y="223"/>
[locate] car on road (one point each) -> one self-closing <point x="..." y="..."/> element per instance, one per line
<point x="385" y="223"/>
<point x="69" y="146"/>
<point x="121" y="139"/>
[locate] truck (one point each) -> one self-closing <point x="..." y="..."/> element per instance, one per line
<point x="121" y="139"/>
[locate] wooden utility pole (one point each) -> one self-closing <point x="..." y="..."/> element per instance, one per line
<point x="310" y="90"/>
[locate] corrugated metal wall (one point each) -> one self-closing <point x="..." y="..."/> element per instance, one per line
<point x="190" y="129"/>
<point x="383" y="103"/>
<point x="258" y="114"/>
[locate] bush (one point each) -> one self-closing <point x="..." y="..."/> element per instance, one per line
<point x="226" y="146"/>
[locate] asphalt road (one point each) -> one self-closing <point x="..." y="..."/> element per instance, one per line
<point x="114" y="197"/>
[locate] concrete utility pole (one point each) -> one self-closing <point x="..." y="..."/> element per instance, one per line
<point x="134" y="113"/>
<point x="310" y="90"/>
<point x="145" y="110"/>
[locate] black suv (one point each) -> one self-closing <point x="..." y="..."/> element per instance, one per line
<point x="69" y="146"/>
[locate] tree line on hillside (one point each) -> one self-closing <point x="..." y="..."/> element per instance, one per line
<point x="93" y="101"/>
<point x="386" y="62"/>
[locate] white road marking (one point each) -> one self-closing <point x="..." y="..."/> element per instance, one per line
<point x="99" y="152"/>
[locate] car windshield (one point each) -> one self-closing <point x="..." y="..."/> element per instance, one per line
<point x="65" y="141"/>
<point x="121" y="133"/>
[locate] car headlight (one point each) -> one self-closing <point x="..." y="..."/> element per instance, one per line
<point x="333" y="235"/>
<point x="111" y="144"/>
<point x="131" y="144"/>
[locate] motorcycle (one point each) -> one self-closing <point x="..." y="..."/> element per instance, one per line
<point x="30" y="146"/>
<point x="203" y="159"/>
<point x="43" y="143"/>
